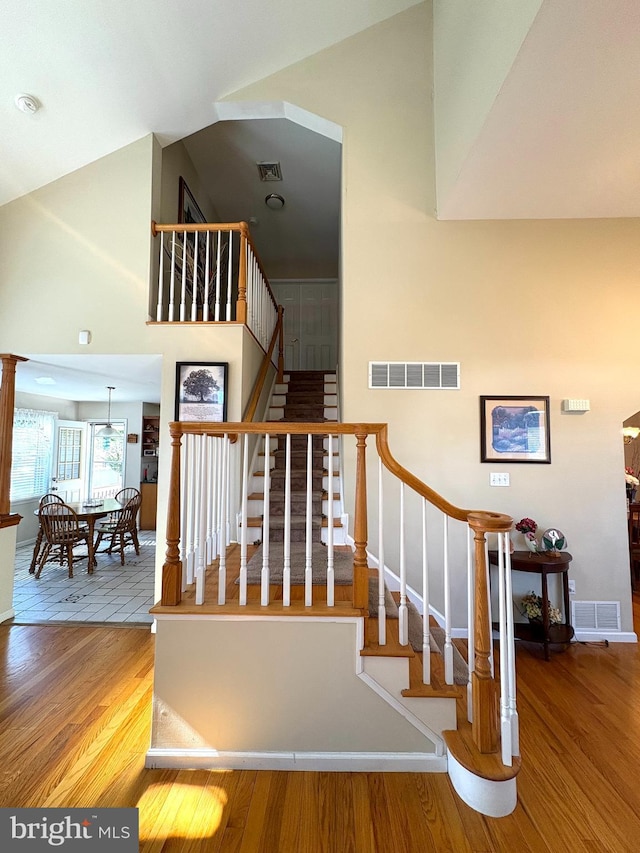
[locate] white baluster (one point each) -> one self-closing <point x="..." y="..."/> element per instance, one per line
<point x="448" y="646"/>
<point x="184" y="514"/>
<point x="264" y="578"/>
<point x="505" y="722"/>
<point x="308" y="569"/>
<point x="286" y="569"/>
<point x="222" y="566"/>
<point x="403" y="613"/>
<point x="426" y="634"/>
<point x="202" y="520"/>
<point x="244" y="520"/>
<point x="330" y="568"/>
<point x="190" y="513"/>
<point x="207" y="278"/>
<point x="160" y="280"/>
<point x="183" y="291"/>
<point x="212" y="499"/>
<point x="382" y="610"/>
<point x="194" y="291"/>
<point x="216" y="314"/>
<point x="229" y="266"/>
<point x="172" y="282"/>
<point x="511" y="656"/>
<point x="471" y="649"/>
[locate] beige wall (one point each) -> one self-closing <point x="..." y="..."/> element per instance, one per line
<point x="77" y="253"/>
<point x="265" y="690"/>
<point x="526" y="307"/>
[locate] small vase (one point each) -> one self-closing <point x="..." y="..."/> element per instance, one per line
<point x="531" y="544"/>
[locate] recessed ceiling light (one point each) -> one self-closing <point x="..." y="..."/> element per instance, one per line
<point x="45" y="380"/>
<point x="27" y="103"/>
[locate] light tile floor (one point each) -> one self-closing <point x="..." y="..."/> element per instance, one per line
<point x="112" y="594"/>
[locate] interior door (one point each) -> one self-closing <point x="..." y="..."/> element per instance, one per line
<point x="68" y="477"/>
<point x="310" y="323"/>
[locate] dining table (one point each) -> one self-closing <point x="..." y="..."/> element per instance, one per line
<point x="89" y="511"/>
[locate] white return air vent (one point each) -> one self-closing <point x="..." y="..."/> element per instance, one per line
<point x="595" y="615"/>
<point x="410" y="375"/>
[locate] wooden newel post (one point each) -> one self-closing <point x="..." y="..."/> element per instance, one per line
<point x="7" y="403"/>
<point x="360" y="533"/>
<point x="241" y="305"/>
<point x="172" y="568"/>
<point x="484" y="692"/>
<point x="280" y="376"/>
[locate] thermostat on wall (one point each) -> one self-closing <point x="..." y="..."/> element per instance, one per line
<point x="576" y="405"/>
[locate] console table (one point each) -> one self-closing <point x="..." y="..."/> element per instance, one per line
<point x="542" y="564"/>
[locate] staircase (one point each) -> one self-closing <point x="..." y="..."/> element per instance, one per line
<point x="306" y="396"/>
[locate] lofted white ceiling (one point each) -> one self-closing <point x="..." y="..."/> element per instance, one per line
<point x="557" y="138"/>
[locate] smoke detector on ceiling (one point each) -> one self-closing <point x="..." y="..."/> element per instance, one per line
<point x="27" y="103"/>
<point x="269" y="171"/>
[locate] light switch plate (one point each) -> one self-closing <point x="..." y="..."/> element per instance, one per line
<point x="499" y="479"/>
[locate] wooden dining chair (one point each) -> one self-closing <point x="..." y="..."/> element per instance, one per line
<point x="61" y="531"/>
<point x="634" y="545"/>
<point x="121" y="528"/>
<point x="44" y="500"/>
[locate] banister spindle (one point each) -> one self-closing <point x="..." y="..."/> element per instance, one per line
<point x="483" y="687"/>
<point x="360" y="567"/>
<point x="172" y="569"/>
<point x="241" y="305"/>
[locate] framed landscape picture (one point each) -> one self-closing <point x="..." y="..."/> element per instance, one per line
<point x="201" y="391"/>
<point x="514" y="429"/>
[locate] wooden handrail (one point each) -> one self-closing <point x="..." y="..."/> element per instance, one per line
<point x="192" y="227"/>
<point x="264" y="367"/>
<point x="7" y="403"/>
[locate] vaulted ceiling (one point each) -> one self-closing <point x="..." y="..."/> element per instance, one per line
<point x="536" y="102"/>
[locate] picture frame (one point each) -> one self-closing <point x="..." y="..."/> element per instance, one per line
<point x="201" y="391"/>
<point x="515" y="429"/>
<point x="149" y="452"/>
<point x="188" y="207"/>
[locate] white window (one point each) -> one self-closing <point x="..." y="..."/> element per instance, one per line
<point x="32" y="454"/>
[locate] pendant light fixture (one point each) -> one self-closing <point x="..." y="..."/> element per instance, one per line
<point x="108" y="431"/>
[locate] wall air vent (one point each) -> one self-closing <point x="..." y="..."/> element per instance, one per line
<point x="269" y="171"/>
<point x="414" y="375"/>
<point x="595" y="615"/>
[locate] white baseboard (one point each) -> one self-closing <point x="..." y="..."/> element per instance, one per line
<point x="339" y="762"/>
<point x="7" y="614"/>
<point x="610" y="636"/>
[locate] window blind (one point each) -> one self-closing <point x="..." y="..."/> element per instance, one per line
<point x="32" y="454"/>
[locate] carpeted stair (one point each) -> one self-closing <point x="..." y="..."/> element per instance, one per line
<point x="304" y="404"/>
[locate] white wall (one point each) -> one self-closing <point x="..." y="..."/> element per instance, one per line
<point x="526" y="307"/>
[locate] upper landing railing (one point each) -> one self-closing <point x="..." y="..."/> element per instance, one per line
<point x="212" y="273"/>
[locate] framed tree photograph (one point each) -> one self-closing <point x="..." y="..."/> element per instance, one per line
<point x="201" y="391"/>
<point x="514" y="429"/>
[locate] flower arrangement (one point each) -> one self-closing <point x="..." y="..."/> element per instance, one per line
<point x="526" y="525"/>
<point x="531" y="607"/>
<point x="630" y="478"/>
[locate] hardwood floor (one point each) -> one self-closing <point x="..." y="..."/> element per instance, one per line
<point x="74" y="728"/>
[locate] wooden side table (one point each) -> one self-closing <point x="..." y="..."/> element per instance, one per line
<point x="542" y="564"/>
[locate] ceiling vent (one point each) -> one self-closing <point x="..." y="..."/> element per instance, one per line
<point x="410" y="375"/>
<point x="595" y="615"/>
<point x="269" y="171"/>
